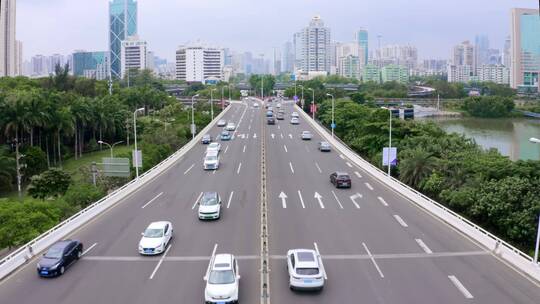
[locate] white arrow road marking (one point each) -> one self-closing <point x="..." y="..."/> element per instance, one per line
<point x="230" y="199"/>
<point x="239" y="167"/>
<point x="423" y="246"/>
<point x="342" y="157"/>
<point x="290" y="135"/>
<point x="247" y="136"/>
<point x="196" y="201"/>
<point x="152" y="200"/>
<point x="301" y="199"/>
<point x="349" y="164"/>
<point x="318" y="168"/>
<point x="354" y="198"/>
<point x="241" y="136"/>
<point x="292" y="169"/>
<point x="337" y="199"/>
<point x="254" y="135"/>
<point x="285" y="147"/>
<point x="358" y="174"/>
<point x="89" y="248"/>
<point x="272" y="135"/>
<point x="319" y="198"/>
<point x="382" y="201"/>
<point x="281" y="135"/>
<point x="400" y="221"/>
<point x="189" y="169"/>
<point x="369" y="186"/>
<point x="244" y="151"/>
<point x="460" y="286"/>
<point x="283" y="198"/>
<point x="320" y="260"/>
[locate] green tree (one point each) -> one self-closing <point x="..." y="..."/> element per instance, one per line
<point x="83" y="194"/>
<point x="51" y="183"/>
<point x="415" y="166"/>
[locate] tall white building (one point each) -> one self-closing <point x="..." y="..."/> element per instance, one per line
<point x="298" y="51"/>
<point x="459" y="73"/>
<point x="8" y="48"/>
<point x="494" y="73"/>
<point x="39" y="66"/>
<point x="316" y="48"/>
<point x="463" y="54"/>
<point x="133" y="55"/>
<point x="402" y="55"/>
<point x="18" y="58"/>
<point x="287" y="57"/>
<point x="199" y="64"/>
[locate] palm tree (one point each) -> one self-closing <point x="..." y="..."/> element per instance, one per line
<point x="416" y="166"/>
<point x="7" y="170"/>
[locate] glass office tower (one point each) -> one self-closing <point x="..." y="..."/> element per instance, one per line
<point x="122" y="24"/>
<point x="525" y="51"/>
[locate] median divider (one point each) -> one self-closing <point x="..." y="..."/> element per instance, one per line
<point x="25" y="253"/>
<point x="511" y="255"/>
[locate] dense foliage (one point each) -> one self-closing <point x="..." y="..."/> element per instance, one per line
<point x="488" y="106"/>
<point x="484" y="186"/>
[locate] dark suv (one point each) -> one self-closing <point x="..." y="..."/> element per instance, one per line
<point x="340" y="179"/>
<point x="271" y="121"/>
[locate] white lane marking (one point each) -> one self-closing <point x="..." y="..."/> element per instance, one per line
<point x="400" y="221"/>
<point x="319" y="199"/>
<point x="342" y="157"/>
<point x="290" y="135"/>
<point x="301" y="199"/>
<point x="214" y="171"/>
<point x="292" y="169"/>
<point x="349" y="164"/>
<point x="195" y="204"/>
<point x="373" y="260"/>
<point x="353" y="199"/>
<point x="239" y="167"/>
<point x="89" y="248"/>
<point x="152" y="200"/>
<point x="423" y="246"/>
<point x="283" y="198"/>
<point x="249" y="128"/>
<point x="320" y="260"/>
<point x="254" y="135"/>
<point x="244" y="151"/>
<point x="285" y="147"/>
<point x="247" y="136"/>
<point x="337" y="199"/>
<point x="211" y="258"/>
<point x="358" y="174"/>
<point x="318" y="168"/>
<point x="307" y="149"/>
<point x="460" y="286"/>
<point x="273" y="135"/>
<point x="279" y="128"/>
<point x="189" y="169"/>
<point x="230" y="199"/>
<point x="369" y="186"/>
<point x="226" y="149"/>
<point x="382" y="201"/>
<point x="281" y="135"/>
<point x="160" y="261"/>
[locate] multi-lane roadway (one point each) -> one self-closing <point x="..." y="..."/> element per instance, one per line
<point x="376" y="246"/>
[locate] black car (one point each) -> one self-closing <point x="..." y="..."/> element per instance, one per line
<point x="207" y="139"/>
<point x="60" y="256"/>
<point x="271" y="121"/>
<point x="340" y="179"/>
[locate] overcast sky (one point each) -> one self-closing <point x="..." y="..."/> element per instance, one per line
<point x="434" y="26"/>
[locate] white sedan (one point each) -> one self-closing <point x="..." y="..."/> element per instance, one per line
<point x="306" y="135"/>
<point x="156" y="238"/>
<point x="295" y="121"/>
<point x="222" y="280"/>
<point x="230" y="126"/>
<point x="221" y="123"/>
<point x="213" y="147"/>
<point x="305" y="268"/>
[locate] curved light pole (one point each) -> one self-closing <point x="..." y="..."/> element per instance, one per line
<point x="312" y="103"/>
<point x="212" y="103"/>
<point x="333" y="112"/>
<point x="193" y="115"/>
<point x="536" y="141"/>
<point x="136" y="156"/>
<point x="101" y="142"/>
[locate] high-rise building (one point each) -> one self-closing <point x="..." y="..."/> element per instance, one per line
<point x="494" y="73"/>
<point x="402" y="55"/>
<point x="122" y="24"/>
<point x="7" y="38"/>
<point x="199" y="64"/>
<point x="39" y="66"/>
<point x="18" y="58"/>
<point x="463" y="54"/>
<point x="91" y="64"/>
<point x="276" y="62"/>
<point x="298" y="51"/>
<point x="54" y="60"/>
<point x="481" y="48"/>
<point x="349" y="66"/>
<point x="287" y="58"/>
<point x="395" y="73"/>
<point x="316" y="47"/>
<point x="132" y="55"/>
<point x="506" y="52"/>
<point x="363" y="41"/>
<point x="459" y="73"/>
<point x="525" y="50"/>
<point x="371" y="73"/>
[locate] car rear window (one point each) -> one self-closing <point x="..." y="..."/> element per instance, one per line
<point x="343" y="177"/>
<point x="307" y="271"/>
<point x="305" y="257"/>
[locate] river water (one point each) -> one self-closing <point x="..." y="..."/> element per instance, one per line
<point x="508" y="135"/>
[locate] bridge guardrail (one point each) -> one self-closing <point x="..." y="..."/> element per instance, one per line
<point x="498" y="247"/>
<point x="26" y="252"/>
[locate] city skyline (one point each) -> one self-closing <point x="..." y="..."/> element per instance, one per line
<point x="430" y="27"/>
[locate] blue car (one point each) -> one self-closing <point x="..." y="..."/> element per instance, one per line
<point x="60" y="256"/>
<point x="225" y="135"/>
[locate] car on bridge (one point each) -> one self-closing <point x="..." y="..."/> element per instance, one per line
<point x="211" y="161"/>
<point x="226" y="135"/>
<point x="221" y="123"/>
<point x="295" y="121"/>
<point x="270" y="121"/>
<point x="305" y="269"/>
<point x="325" y="146"/>
<point x="210" y="206"/>
<point x="280" y="116"/>
<point x="341" y="179"/>
<point x="155" y="238"/>
<point x="222" y="280"/>
<point x="295" y="114"/>
<point x="230" y="126"/>
<point x="306" y="135"/>
<point x="215" y="146"/>
<point x="60" y="256"/>
<point x="206" y="139"/>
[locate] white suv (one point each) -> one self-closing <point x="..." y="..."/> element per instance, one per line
<point x="222" y="280"/>
<point x="210" y="206"/>
<point x="211" y="161"/>
<point x="305" y="268"/>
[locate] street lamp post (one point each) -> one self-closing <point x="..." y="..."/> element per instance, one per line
<point x="193" y="115"/>
<point x="101" y="142"/>
<point x="333" y="112"/>
<point x="312" y="103"/>
<point x="136" y="156"/>
<point x="212" y="103"/>
<point x="536" y="141"/>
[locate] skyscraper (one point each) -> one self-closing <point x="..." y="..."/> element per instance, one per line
<point x="481" y="48"/>
<point x="362" y="40"/>
<point x="506" y="53"/>
<point x="198" y="63"/>
<point x="133" y="55"/>
<point x="463" y="54"/>
<point x="122" y="24"/>
<point x="287" y="58"/>
<point x="525" y="50"/>
<point x="91" y="64"/>
<point x="316" y="47"/>
<point x="8" y="48"/>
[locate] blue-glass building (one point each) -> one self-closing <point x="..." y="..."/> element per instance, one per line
<point x="122" y="24"/>
<point x="362" y="39"/>
<point x="525" y="68"/>
<point x="89" y="63"/>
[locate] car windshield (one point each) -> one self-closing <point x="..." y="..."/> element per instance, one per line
<point x="213" y="146"/>
<point x="221" y="277"/>
<point x="211" y="158"/>
<point x="307" y="271"/>
<point x="209" y="199"/>
<point x="54" y="253"/>
<point x="153" y="233"/>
